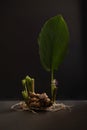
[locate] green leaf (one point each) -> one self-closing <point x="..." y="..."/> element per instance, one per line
<point x="53" y="42"/>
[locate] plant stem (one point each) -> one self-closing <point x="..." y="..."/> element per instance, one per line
<point x="33" y="85"/>
<point x="52" y="77"/>
<point x="53" y="86"/>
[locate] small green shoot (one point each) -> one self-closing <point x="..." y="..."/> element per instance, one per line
<point x="28" y="84"/>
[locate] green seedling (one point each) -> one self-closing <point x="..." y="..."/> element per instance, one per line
<point x="28" y="84"/>
<point x="53" y="44"/>
<point x="53" y="41"/>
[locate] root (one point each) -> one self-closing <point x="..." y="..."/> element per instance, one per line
<point x="59" y="106"/>
<point x="21" y="106"/>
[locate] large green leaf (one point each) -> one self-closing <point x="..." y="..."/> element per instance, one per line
<point x="53" y="42"/>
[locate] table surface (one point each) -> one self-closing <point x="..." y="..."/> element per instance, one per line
<point x="76" y="119"/>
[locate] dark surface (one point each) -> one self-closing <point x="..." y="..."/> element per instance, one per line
<point x="61" y="120"/>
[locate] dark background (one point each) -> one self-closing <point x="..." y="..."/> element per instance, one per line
<point x="20" y="24"/>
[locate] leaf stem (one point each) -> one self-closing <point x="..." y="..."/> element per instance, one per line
<point x="52" y="77"/>
<point x="53" y="87"/>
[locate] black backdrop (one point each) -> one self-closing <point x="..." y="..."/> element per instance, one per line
<point x="20" y="23"/>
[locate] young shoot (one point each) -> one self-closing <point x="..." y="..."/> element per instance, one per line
<point x="53" y="43"/>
